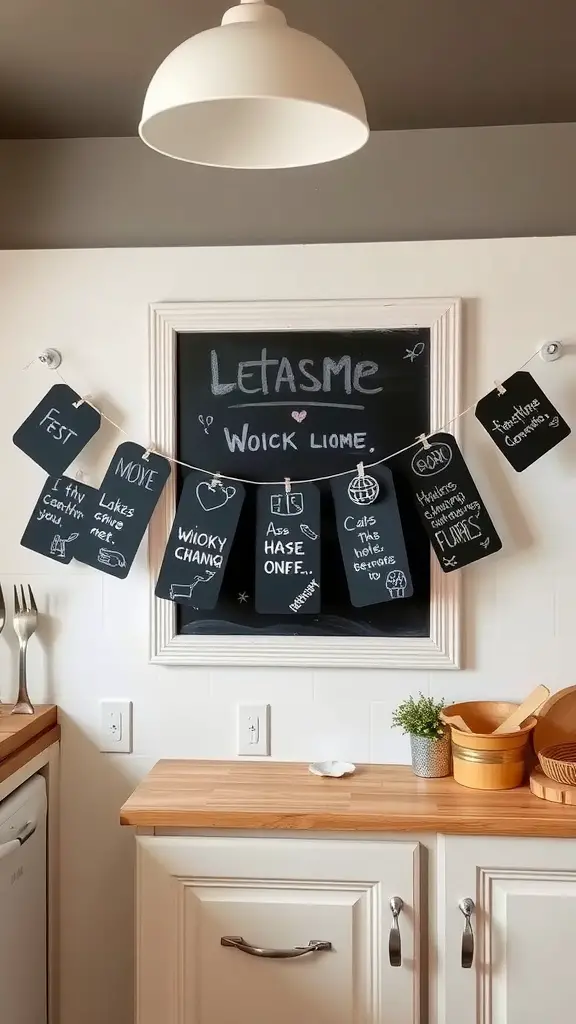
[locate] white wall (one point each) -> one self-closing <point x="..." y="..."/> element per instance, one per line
<point x="521" y="604"/>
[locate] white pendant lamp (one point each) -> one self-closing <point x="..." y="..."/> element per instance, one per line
<point x="254" y="93"/>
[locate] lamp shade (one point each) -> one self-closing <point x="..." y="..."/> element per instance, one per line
<point x="254" y="93"/>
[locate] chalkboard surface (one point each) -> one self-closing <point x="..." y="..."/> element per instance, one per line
<point x="288" y="550"/>
<point x="58" y="517"/>
<point x="448" y="501"/>
<point x="125" y="502"/>
<point x="371" y="537"/>
<point x="268" y="405"/>
<point x="521" y="420"/>
<point x="56" y="431"/>
<point x="200" y="540"/>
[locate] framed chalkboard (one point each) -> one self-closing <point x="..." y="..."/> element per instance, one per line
<point x="268" y="391"/>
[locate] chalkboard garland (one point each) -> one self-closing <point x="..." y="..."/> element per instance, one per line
<point x="452" y="511"/>
<point x="130" y="490"/>
<point x="57" y="430"/>
<point x="371" y="537"/>
<point x="521" y="420"/>
<point x="58" y="517"/>
<point x="103" y="527"/>
<point x="288" y="550"/>
<point x="200" y="541"/>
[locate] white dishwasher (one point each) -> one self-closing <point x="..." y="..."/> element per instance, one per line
<point x="23" y="947"/>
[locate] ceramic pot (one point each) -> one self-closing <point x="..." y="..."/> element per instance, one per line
<point x="431" y="759"/>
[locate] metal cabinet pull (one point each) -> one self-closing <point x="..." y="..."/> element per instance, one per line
<point x="22" y="836"/>
<point x="394" y="941"/>
<point x="314" y="946"/>
<point x="467" y="908"/>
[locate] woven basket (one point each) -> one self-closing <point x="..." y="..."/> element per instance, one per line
<point x="558" y="762"/>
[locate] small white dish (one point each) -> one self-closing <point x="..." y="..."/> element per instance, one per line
<point x="332" y="769"/>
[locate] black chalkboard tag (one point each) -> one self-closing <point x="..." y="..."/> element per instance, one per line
<point x="452" y="511"/>
<point x="200" y="540"/>
<point x="521" y="420"/>
<point x="125" y="502"/>
<point x="58" y="518"/>
<point x="56" y="431"/>
<point x="371" y="537"/>
<point x="288" y="550"/>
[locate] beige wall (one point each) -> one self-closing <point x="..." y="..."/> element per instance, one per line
<point x="449" y="183"/>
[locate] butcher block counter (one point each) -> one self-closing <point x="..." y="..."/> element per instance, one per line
<point x="22" y="737"/>
<point x="377" y="798"/>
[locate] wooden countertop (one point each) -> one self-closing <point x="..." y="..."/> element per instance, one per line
<point x="378" y="798"/>
<point x="22" y="737"/>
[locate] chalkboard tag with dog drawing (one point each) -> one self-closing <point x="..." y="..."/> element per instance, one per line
<point x="58" y="517"/>
<point x="128" y="495"/>
<point x="288" y="550"/>
<point x="452" y="511"/>
<point x="200" y="540"/>
<point x="58" y="429"/>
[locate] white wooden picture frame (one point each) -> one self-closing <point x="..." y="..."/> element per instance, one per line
<point x="440" y="650"/>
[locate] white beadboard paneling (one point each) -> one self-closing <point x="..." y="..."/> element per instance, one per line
<point x="261" y="685"/>
<point x="519" y="607"/>
<point x="378" y="684"/>
<point x="387" y="745"/>
<point x="185" y="726"/>
<point x="318" y="731"/>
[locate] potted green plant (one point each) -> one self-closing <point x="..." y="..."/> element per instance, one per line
<point x="429" y="737"/>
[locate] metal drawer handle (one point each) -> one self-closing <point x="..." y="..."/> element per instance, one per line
<point x="314" y="946"/>
<point x="22" y="836"/>
<point x="467" y="908"/>
<point x="394" y="941"/>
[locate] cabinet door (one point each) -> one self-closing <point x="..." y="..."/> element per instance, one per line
<point x="275" y="894"/>
<point x="524" y="926"/>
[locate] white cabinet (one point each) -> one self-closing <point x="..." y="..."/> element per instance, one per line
<point x="276" y="894"/>
<point x="524" y="925"/>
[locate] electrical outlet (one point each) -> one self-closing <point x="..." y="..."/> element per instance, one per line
<point x="116" y="726"/>
<point x="254" y="730"/>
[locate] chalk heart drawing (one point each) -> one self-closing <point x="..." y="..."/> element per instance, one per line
<point x="299" y="416"/>
<point x="213" y="497"/>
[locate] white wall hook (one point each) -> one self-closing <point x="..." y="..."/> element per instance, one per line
<point x="551" y="350"/>
<point x="51" y="358"/>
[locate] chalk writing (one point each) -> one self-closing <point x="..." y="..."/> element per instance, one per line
<point x="287" y="547"/>
<point x="52" y="425"/>
<point x="272" y="376"/>
<point x="518" y="418"/>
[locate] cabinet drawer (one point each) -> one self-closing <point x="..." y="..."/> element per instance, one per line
<point x="275" y="894"/>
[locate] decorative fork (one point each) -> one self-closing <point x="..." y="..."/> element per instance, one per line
<point x="25" y="623"/>
<point x="2" y="614"/>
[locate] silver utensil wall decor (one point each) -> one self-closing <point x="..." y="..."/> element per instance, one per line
<point x="25" y="624"/>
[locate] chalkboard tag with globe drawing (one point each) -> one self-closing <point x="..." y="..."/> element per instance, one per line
<point x="452" y="511"/>
<point x="58" y="517"/>
<point x="371" y="537"/>
<point x="521" y="420"/>
<point x="118" y="518"/>
<point x="288" y="550"/>
<point x="200" y="540"/>
<point x="58" y="429"/>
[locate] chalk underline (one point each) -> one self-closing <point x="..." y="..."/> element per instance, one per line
<point x="297" y="405"/>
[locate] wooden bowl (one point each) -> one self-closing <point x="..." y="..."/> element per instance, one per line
<point x="482" y="760"/>
<point x="558" y="762"/>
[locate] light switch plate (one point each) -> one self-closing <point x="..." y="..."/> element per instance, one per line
<point x="116" y="726"/>
<point x="254" y="730"/>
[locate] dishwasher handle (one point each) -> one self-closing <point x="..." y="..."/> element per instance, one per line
<point x="22" y="836"/>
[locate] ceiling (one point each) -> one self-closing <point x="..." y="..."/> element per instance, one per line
<point x="81" y="67"/>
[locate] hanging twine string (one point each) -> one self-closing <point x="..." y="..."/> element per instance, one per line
<point x="422" y="439"/>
